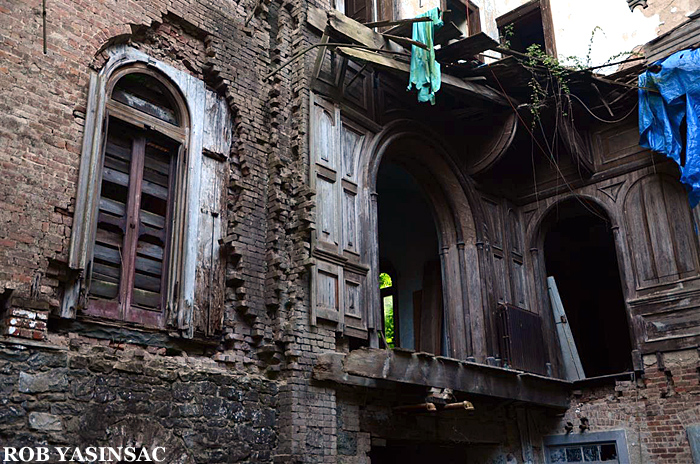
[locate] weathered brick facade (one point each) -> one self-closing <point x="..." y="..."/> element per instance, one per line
<point x="247" y="394"/>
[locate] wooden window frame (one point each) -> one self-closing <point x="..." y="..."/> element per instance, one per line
<point x="195" y="100"/>
<point x="545" y="8"/>
<point x="122" y="308"/>
<point x="469" y="10"/>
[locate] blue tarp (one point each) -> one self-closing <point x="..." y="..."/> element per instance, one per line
<point x="661" y="115"/>
<point x="425" y="71"/>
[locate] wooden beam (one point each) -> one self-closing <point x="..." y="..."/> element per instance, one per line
<point x="449" y="82"/>
<point x="402" y="367"/>
<point x="423" y="19"/>
<point x="353" y="30"/>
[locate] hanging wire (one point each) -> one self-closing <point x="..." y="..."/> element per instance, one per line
<point x="601" y="119"/>
<point x="550" y="156"/>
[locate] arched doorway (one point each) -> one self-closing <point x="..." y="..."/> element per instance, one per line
<point x="579" y="252"/>
<point x="416" y="156"/>
<point x="409" y="253"/>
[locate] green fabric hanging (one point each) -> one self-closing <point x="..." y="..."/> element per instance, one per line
<point x="425" y="71"/>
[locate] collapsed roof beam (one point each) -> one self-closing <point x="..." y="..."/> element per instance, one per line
<point x="356" y="33"/>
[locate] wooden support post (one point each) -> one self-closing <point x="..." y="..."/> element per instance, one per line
<point x="570" y="357"/>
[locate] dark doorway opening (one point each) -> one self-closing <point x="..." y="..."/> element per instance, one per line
<point x="579" y="251"/>
<point x="408" y="240"/>
<point x="413" y="452"/>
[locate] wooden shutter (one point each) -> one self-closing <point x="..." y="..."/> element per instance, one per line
<point x="660" y="231"/>
<point x="338" y="292"/>
<point x="505" y="232"/>
<point x="129" y="257"/>
<point x="111" y="223"/>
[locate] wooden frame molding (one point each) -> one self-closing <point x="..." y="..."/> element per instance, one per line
<point x="201" y="110"/>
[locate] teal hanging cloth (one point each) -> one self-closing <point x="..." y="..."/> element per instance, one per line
<point x="425" y="71"/>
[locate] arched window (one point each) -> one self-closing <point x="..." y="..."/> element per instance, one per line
<point x="145" y="131"/>
<point x="150" y="199"/>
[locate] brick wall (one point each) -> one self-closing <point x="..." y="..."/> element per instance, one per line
<point x="656" y="408"/>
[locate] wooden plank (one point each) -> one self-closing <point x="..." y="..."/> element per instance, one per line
<point x="152" y="219"/>
<point x="106" y="271"/>
<point x="353" y="30"/>
<point x="397" y="22"/>
<point x="693" y="432"/>
<point x="109" y="238"/>
<point x="402" y="367"/>
<point x="150" y="250"/>
<point x="406" y="42"/>
<point x="118" y="151"/>
<point x="145" y="282"/>
<point x="156" y="178"/>
<point x="449" y="31"/>
<point x="465" y="48"/>
<point x="572" y="362"/>
<point x="449" y="82"/>
<point x="104" y="253"/>
<point x="145" y="298"/>
<point x="116" y="164"/>
<point x="687" y="35"/>
<point x="116" y="177"/>
<point x="148" y="265"/>
<point x="154" y="189"/>
<point x="317" y="18"/>
<point x="104" y="289"/>
<point x="112" y="206"/>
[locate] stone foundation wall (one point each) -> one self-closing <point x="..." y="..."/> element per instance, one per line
<point x="87" y="395"/>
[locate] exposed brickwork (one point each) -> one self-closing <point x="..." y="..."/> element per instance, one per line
<point x="251" y="397"/>
<point x="658" y="407"/>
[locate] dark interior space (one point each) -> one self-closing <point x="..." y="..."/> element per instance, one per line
<point x="411" y="452"/>
<point x="525" y="31"/>
<point x="408" y="240"/>
<point x="580" y="254"/>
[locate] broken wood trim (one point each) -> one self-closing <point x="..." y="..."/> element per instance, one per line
<point x="327" y="44"/>
<point x="397" y="22"/>
<point x="404" y="367"/>
<point x="450" y="82"/>
<point x="405" y="41"/>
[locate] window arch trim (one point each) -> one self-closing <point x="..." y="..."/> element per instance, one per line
<point x="193" y="95"/>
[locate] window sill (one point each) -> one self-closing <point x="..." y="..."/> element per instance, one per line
<point x="120" y="333"/>
<point x="609" y="379"/>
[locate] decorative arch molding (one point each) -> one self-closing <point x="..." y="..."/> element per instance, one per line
<point x="453" y="200"/>
<point x="535" y="231"/>
<point x="207" y="125"/>
<point x="535" y="236"/>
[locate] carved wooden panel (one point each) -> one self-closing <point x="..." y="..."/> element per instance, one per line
<point x="660" y="231"/>
<point x="517" y="270"/>
<point x="682" y="323"/>
<point x="350" y="232"/>
<point x="351" y="140"/>
<point x="336" y="145"/>
<point x="327" y="211"/>
<point x="324" y="135"/>
<point x="327" y="291"/>
<point x="618" y="145"/>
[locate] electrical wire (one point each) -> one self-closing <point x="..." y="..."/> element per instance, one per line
<point x="550" y="156"/>
<point x="601" y="119"/>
